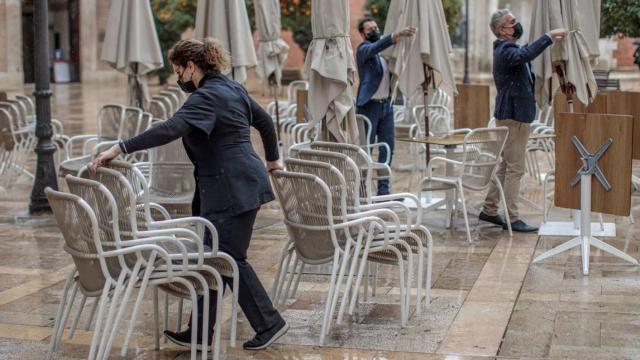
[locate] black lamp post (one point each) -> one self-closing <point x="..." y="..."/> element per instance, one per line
<point x="465" y="79"/>
<point x="45" y="168"/>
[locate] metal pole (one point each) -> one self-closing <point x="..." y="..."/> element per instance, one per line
<point x="45" y="168"/>
<point x="465" y="79"/>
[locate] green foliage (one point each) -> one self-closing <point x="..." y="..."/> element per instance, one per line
<point x="172" y="18"/>
<point x="620" y="17"/>
<point x="378" y="10"/>
<point x="296" y="17"/>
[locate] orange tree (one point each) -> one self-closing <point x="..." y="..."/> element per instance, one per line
<point x="172" y="18"/>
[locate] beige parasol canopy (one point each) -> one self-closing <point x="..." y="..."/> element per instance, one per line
<point x="131" y="46"/>
<point x="430" y="46"/>
<point x="227" y="21"/>
<point x="571" y="54"/>
<point x="331" y="70"/>
<point x="272" y="50"/>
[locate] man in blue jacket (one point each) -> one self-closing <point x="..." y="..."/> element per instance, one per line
<point x="515" y="109"/>
<point x="374" y="91"/>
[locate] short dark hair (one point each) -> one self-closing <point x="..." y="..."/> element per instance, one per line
<point x="363" y="21"/>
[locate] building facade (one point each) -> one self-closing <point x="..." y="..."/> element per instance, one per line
<point x="77" y="30"/>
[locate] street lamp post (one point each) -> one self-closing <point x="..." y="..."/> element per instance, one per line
<point x="45" y="168"/>
<point x="465" y="79"/>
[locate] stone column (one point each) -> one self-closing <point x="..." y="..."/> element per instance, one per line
<point x="93" y="19"/>
<point x="11" y="73"/>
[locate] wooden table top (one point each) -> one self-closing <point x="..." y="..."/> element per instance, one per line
<point x="458" y="139"/>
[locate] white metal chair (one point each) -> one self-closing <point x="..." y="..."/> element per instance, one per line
<point x="476" y="170"/>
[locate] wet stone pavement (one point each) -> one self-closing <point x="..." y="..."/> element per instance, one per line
<point x="488" y="299"/>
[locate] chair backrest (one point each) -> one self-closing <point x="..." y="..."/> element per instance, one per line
<point x="98" y="197"/>
<point x="360" y="157"/>
<point x="166" y="102"/>
<point x="293" y="88"/>
<point x="181" y="94"/>
<point x="307" y="206"/>
<point x="481" y="152"/>
<point x="157" y="109"/>
<point x="7" y="136"/>
<point x="130" y="216"/>
<point x="28" y="102"/>
<point x="348" y="170"/>
<point x="173" y="98"/>
<point x="109" y="121"/>
<point x="171" y="172"/>
<point x="15" y="113"/>
<point x="134" y="121"/>
<point x="79" y="228"/>
<point x="364" y="123"/>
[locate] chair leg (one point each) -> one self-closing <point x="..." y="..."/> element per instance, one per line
<point x="136" y="307"/>
<point x="115" y="301"/>
<point x="218" y="326"/>
<point x="165" y="315"/>
<point x="375" y="280"/>
<point x="366" y="283"/>
<point x="101" y="309"/>
<point x="123" y="307"/>
<point x="294" y="270"/>
<point x="286" y="252"/>
<point x="464" y="212"/>
<point x="283" y="276"/>
<point x="58" y="322"/>
<point x="74" y="325"/>
<point x="180" y="309"/>
<point x="363" y="262"/>
<point x="504" y="204"/>
<point x="67" y="310"/>
<point x="327" y="307"/>
<point x="352" y="271"/>
<point x="420" y="273"/>
<point x="92" y="314"/>
<point x="156" y="319"/>
<point x="343" y="268"/>
<point x="295" y="288"/>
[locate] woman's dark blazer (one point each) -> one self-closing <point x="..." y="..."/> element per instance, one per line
<point x="214" y="124"/>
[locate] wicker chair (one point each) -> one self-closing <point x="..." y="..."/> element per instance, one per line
<point x="413" y="233"/>
<point x="129" y="188"/>
<point x="476" y="170"/>
<point x="114" y="273"/>
<point x="320" y="230"/>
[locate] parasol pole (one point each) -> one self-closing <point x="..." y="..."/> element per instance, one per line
<point x="226" y="11"/>
<point x="428" y="80"/>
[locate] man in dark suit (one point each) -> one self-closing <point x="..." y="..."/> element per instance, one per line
<point x="374" y="91"/>
<point x="515" y="109"/>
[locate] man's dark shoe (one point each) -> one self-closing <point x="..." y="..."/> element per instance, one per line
<point x="263" y="340"/>
<point x="521" y="226"/>
<point x="183" y="338"/>
<point x="497" y="219"/>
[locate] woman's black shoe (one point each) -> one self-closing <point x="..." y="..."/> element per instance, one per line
<point x="263" y="340"/>
<point x="183" y="338"/>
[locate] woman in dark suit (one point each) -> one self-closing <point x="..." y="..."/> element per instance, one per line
<point x="231" y="180"/>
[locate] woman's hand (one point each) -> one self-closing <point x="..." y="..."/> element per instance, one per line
<point x="273" y="165"/>
<point x="104" y="157"/>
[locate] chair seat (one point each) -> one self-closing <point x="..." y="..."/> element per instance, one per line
<point x="73" y="166"/>
<point x="166" y="198"/>
<point x="440" y="183"/>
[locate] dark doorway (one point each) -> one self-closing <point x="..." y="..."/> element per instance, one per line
<point x="64" y="40"/>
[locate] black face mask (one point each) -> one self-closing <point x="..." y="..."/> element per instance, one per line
<point x="517" y="31"/>
<point x="373" y="35"/>
<point x="186" y="86"/>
